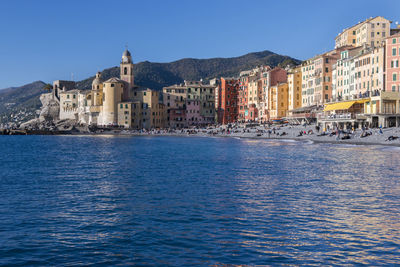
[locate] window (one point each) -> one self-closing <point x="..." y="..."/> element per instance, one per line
<point x="67" y="96"/>
<point x="144" y="93"/>
<point x="126" y="105"/>
<point x="112" y="85"/>
<point x="393" y="88"/>
<point x="393" y="40"/>
<point x="354" y="41"/>
<point x="326" y="69"/>
<point x="125" y="71"/>
<point x="326" y="87"/>
<point x="394" y="77"/>
<point x="121" y="106"/>
<point x="393" y="51"/>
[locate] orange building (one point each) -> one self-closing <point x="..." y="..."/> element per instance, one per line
<point x="228" y="92"/>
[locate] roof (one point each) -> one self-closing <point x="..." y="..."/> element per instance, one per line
<point x="304" y="109"/>
<point x="114" y="80"/>
<point x="70" y="91"/>
<point x="397" y="34"/>
<point x="126" y="53"/>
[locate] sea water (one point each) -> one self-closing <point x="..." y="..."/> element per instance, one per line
<point x="177" y="201"/>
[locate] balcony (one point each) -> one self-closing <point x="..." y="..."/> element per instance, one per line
<point x="337" y="117"/>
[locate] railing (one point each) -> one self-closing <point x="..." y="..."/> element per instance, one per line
<point x="301" y="115"/>
<point x="344" y="116"/>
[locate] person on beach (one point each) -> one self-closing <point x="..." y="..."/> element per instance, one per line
<point x="391" y="138"/>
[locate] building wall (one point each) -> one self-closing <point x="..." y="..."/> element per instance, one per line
<point x="278" y="101"/>
<point x="243" y="97"/>
<point x="228" y="101"/>
<point x="69" y="105"/>
<point x="308" y="84"/>
<point x="294" y="88"/>
<point x="112" y="95"/>
<point x="372" y="32"/>
<point x="393" y="63"/>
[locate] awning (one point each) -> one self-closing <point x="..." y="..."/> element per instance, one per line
<point x="344" y="105"/>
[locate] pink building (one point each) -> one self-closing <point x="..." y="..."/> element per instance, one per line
<point x="193" y="116"/>
<point x="392" y="63"/>
<point x="277" y="75"/>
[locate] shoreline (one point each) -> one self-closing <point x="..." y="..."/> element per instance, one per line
<point x="297" y="139"/>
<point x="290" y="134"/>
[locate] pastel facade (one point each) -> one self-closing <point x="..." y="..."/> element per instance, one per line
<point x="294" y="88"/>
<point x="278" y="101"/>
<point x="369" y="72"/>
<point x="193" y="99"/>
<point x="69" y="105"/>
<point x="243" y="95"/>
<point x="113" y="93"/>
<point x="193" y="116"/>
<point x="393" y="63"/>
<point x="371" y="32"/>
<point x="323" y="76"/>
<point x="308" y="83"/>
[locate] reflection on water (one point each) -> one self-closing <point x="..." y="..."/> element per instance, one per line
<point x="204" y="201"/>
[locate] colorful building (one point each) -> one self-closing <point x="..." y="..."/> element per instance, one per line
<point x="190" y="103"/>
<point x="294" y="88"/>
<point x="393" y="63"/>
<point x="227" y="100"/>
<point x="371" y="32"/>
<point x="278" y="101"/>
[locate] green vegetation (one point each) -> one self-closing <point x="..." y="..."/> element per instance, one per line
<point x="158" y="75"/>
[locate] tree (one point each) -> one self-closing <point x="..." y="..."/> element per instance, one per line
<point x="48" y="87"/>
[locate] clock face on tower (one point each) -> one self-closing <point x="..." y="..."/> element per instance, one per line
<point x="125" y="59"/>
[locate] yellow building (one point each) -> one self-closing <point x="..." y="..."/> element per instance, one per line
<point x="129" y="115"/>
<point x="278" y="101"/>
<point x="294" y="85"/>
<point x="372" y="32"/>
<point x="97" y="91"/>
<point x="113" y="92"/>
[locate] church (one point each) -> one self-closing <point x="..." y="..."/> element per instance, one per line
<point x="111" y="103"/>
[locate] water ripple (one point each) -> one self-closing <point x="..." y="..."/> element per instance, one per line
<point x="196" y="201"/>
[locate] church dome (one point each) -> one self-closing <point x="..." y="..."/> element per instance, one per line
<point x="97" y="80"/>
<point x="126" y="53"/>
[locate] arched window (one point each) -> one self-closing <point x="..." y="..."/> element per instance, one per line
<point x="125" y="71"/>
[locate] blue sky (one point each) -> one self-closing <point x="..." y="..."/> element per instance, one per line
<point x="49" y="40"/>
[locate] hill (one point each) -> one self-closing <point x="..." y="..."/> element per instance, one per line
<point x="23" y="101"/>
<point x="158" y="75"/>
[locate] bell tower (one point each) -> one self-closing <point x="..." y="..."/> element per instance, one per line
<point x="126" y="68"/>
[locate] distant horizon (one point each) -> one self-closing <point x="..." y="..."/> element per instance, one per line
<point x="49" y="40"/>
